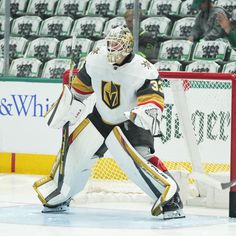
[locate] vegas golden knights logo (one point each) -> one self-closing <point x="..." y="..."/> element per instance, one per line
<point x="111" y="94"/>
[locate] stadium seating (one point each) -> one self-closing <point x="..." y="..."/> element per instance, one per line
<point x="42" y="49"/>
<point x="1" y="66"/>
<point x="175" y="50"/>
<point x="104" y="8"/>
<point x="158" y="26"/>
<point x="203" y="66"/>
<point x="210" y="50"/>
<point x="186" y="10"/>
<point x="182" y="28"/>
<point x="2" y="25"/>
<point x="26" y="26"/>
<point x="72" y="8"/>
<point x="45" y="28"/>
<point x="17" y="7"/>
<point x="229" y="67"/>
<point x="55" y="68"/>
<point x="168" y="65"/>
<point x="88" y="27"/>
<point x="17" y="47"/>
<point x="232" y="56"/>
<point x="129" y="4"/>
<point x="82" y="47"/>
<point x="164" y="7"/>
<point x="56" y="26"/>
<point x="41" y="7"/>
<point x="25" y="67"/>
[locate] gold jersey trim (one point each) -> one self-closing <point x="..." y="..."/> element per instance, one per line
<point x="81" y="87"/>
<point x="151" y="97"/>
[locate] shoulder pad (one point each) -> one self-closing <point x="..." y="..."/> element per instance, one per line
<point x="149" y="69"/>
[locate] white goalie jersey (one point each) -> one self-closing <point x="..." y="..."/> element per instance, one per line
<point x="122" y="88"/>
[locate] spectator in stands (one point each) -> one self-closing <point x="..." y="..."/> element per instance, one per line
<point x="147" y="40"/>
<point x="206" y="26"/>
<point x="229" y="26"/>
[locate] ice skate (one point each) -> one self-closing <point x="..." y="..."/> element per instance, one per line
<point x="60" y="208"/>
<point x="173" y="209"/>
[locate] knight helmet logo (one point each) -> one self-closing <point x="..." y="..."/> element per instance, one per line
<point x="111" y="94"/>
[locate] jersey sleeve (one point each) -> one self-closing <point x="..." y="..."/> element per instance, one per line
<point x="81" y="85"/>
<point x="151" y="92"/>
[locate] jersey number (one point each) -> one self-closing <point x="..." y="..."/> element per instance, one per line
<point x="156" y="85"/>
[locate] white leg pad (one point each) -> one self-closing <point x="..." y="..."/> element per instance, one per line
<point x="151" y="180"/>
<point x="79" y="160"/>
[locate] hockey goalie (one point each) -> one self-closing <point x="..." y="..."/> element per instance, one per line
<point x="125" y="118"/>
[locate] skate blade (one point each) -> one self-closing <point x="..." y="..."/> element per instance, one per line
<point x="56" y="210"/>
<point x="178" y="214"/>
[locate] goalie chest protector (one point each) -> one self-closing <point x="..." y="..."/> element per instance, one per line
<point x="116" y="86"/>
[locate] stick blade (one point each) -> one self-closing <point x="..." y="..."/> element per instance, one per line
<point x="210" y="181"/>
<point x="229" y="184"/>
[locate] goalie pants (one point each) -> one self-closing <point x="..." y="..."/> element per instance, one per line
<point x="137" y="136"/>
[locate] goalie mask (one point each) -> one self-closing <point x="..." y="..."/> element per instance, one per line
<point x="120" y="43"/>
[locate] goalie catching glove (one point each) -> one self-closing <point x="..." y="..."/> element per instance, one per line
<point x="66" y="109"/>
<point x="146" y="116"/>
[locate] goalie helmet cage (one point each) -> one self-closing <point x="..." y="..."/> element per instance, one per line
<point x="199" y="135"/>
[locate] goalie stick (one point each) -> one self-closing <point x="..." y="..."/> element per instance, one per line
<point x="208" y="180"/>
<point x="65" y="136"/>
<point x="65" y="129"/>
<point x="188" y="133"/>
